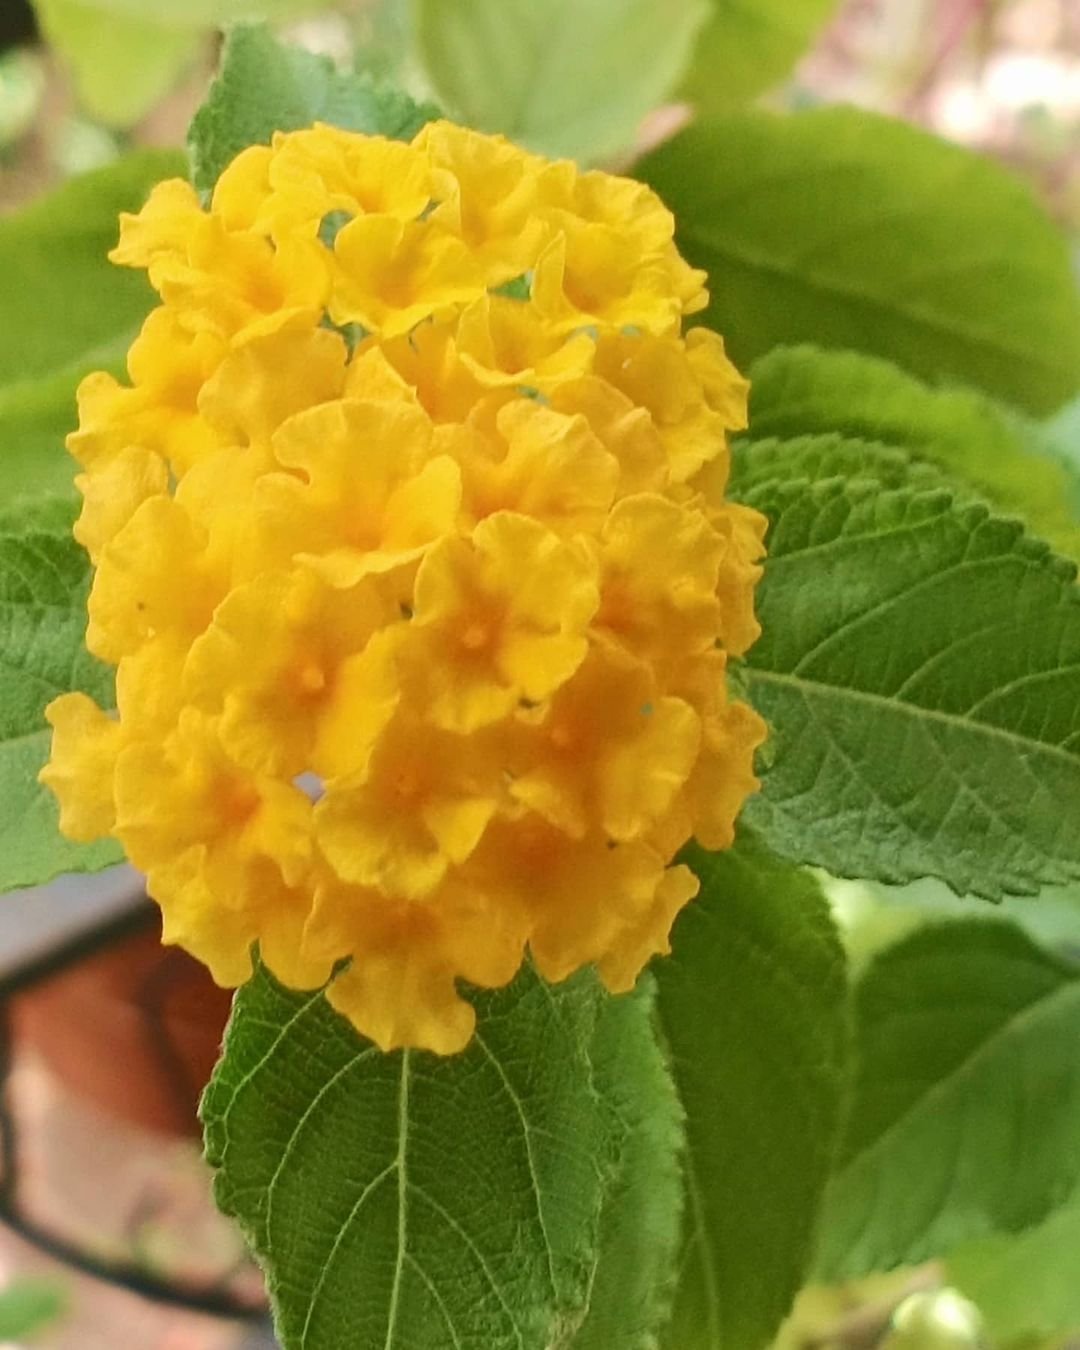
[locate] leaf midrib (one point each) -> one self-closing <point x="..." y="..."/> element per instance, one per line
<point x="1020" y="745"/>
<point x="397" y="1166"/>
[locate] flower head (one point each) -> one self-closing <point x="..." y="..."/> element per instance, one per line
<point x="413" y="558"/>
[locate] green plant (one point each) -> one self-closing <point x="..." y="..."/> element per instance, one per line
<point x="668" y="1169"/>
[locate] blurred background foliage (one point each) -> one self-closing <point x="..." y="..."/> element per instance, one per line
<point x="600" y="78"/>
<point x="101" y="91"/>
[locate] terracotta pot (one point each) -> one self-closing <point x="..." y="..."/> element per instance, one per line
<point x="132" y="1026"/>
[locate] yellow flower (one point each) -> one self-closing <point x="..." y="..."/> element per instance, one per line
<point x="608" y="752"/>
<point x="267" y="378"/>
<point x="188" y="793"/>
<point x="622" y="427"/>
<point x="407" y="957"/>
<point x="157" y="575"/>
<point x="390" y="274"/>
<point x="494" y="197"/>
<point x="504" y="341"/>
<point x="419" y="806"/>
<point x="317" y="173"/>
<point x="414" y="560"/>
<point x="112" y="494"/>
<point x="158" y="412"/>
<point x="430" y="366"/>
<point x="692" y="392"/>
<point x="163" y="227"/>
<point x="218" y="280"/>
<point x="590" y="275"/>
<point x="660" y="567"/>
<point x="85" y="745"/>
<point x="580" y="896"/>
<point x="541" y="464"/>
<point x="278" y="661"/>
<point x="497" y="619"/>
<point x="349" y="524"/>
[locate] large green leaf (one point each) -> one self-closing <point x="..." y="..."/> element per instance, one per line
<point x="640" y="1225"/>
<point x="843" y="228"/>
<point x="122" y="64"/>
<point x="43" y="583"/>
<point x="71" y="311"/>
<point x="747" y="46"/>
<point x="35" y="418"/>
<point x="920" y="669"/>
<point x="1019" y="465"/>
<point x="966" y="1112"/>
<point x="70" y="300"/>
<point x="565" y="78"/>
<point x="758" y="466"/>
<point x="753" y="1009"/>
<point x="1028" y="1285"/>
<point x="264" y="86"/>
<point x="401" y="1200"/>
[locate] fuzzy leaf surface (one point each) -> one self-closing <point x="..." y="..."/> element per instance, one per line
<point x="758" y="466"/>
<point x="1019" y="465"/>
<point x="403" y="1200"/>
<point x="753" y="1009"/>
<point x="44" y="578"/>
<point x="264" y="86"/>
<point x="965" y="1119"/>
<point x="920" y="669"/>
<point x="640" y="1224"/>
<point x="847" y="229"/>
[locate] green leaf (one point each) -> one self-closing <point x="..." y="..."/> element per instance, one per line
<point x="966" y="1112"/>
<point x="843" y="228"/>
<point x="920" y="669"/>
<point x="564" y="78"/>
<point x="875" y="917"/>
<point x="264" y="86"/>
<point x="405" y="1200"/>
<point x="753" y="1010"/>
<point x="71" y="301"/>
<point x="122" y="64"/>
<point x="383" y="42"/>
<point x="28" y="1307"/>
<point x="44" y="578"/>
<point x="1015" y="463"/>
<point x="640" y="1224"/>
<point x="203" y="14"/>
<point x="72" y="312"/>
<point x="35" y="418"/>
<point x="758" y="465"/>
<point x="749" y="45"/>
<point x="1026" y="1286"/>
<point x="1063" y="431"/>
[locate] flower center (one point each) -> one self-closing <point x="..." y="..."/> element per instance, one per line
<point x="476" y="636"/>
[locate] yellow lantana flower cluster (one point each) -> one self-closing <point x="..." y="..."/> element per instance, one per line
<point x="413" y="559"/>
